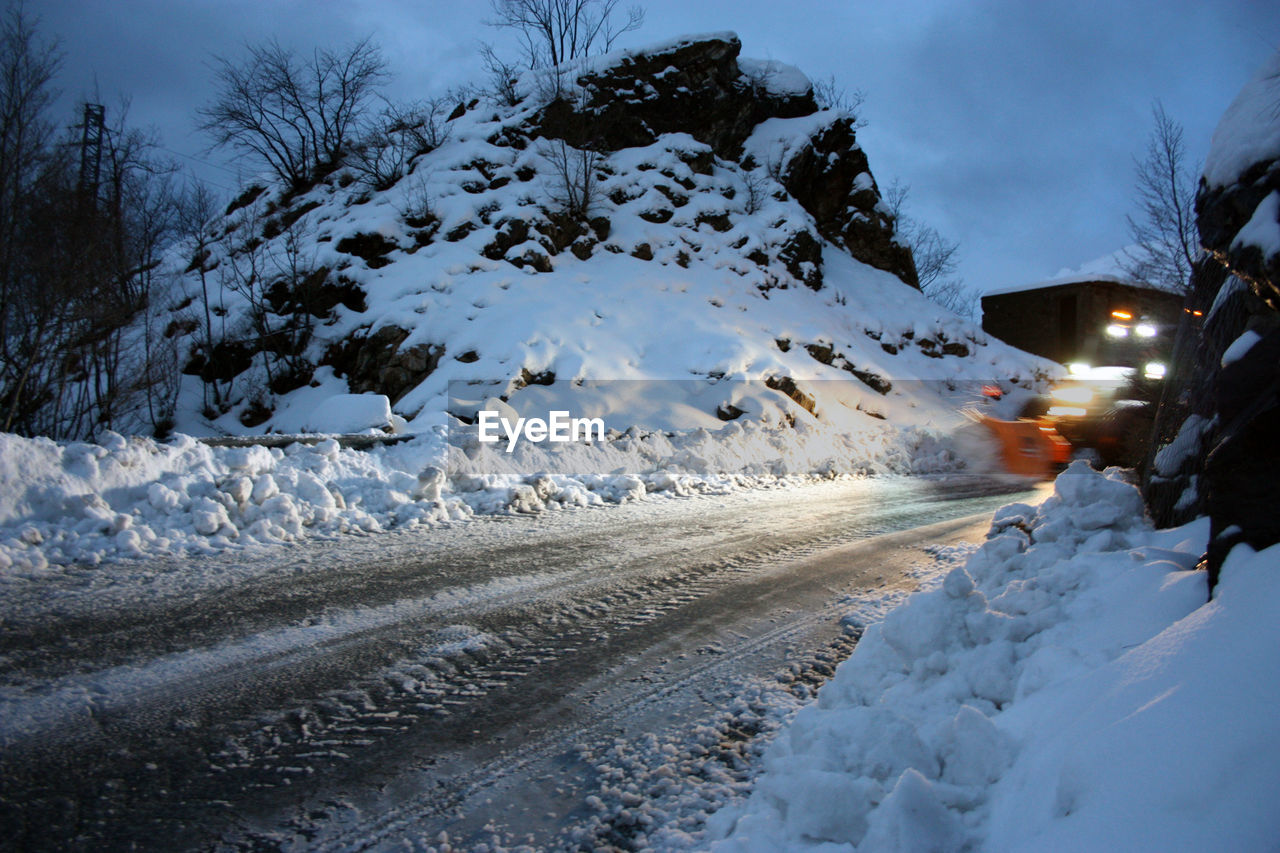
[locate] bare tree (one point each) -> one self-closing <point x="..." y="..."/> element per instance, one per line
<point x="935" y="256"/>
<point x="196" y="210"/>
<point x="297" y="116"/>
<point x="78" y="262"/>
<point x="1164" y="232"/>
<point x="555" y="31"/>
<point x="27" y="68"/>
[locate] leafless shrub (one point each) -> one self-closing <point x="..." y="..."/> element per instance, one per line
<point x="399" y="134"/>
<point x="502" y="75"/>
<point x="574" y="177"/>
<point x="830" y="95"/>
<point x="555" y="31"/>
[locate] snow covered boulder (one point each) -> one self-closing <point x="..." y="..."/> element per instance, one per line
<point x="349" y="413"/>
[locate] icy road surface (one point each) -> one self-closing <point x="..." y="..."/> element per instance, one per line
<point x="499" y="678"/>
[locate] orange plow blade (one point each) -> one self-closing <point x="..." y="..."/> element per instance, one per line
<point x="1028" y="448"/>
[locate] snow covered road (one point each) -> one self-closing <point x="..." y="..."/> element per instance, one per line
<point x="358" y="693"/>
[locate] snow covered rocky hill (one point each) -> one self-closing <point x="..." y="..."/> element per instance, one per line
<point x="676" y="240"/>
<point x="671" y="213"/>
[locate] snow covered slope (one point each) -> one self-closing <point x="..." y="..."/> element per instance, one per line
<point x="731" y="260"/>
<point x="733" y="231"/>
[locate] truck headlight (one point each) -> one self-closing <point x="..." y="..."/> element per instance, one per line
<point x="1078" y="394"/>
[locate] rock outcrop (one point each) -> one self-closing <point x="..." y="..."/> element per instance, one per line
<point x="831" y="179"/>
<point x="692" y="86"/>
<point x="697" y="86"/>
<point x="1223" y="459"/>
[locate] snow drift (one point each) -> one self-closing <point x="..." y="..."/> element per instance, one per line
<point x="1066" y="689"/>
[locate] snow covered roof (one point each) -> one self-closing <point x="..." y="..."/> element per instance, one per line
<point x="1079" y="278"/>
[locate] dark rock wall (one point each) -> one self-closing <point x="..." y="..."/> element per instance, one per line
<point x="1226" y="417"/>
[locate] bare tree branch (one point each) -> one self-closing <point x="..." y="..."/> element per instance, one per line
<point x="1163" y="229"/>
<point x="296" y="117"/>
<point x="552" y="32"/>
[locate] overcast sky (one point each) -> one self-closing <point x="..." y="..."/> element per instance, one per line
<point x="1014" y="123"/>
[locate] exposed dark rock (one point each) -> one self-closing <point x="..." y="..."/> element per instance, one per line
<point x="788" y="386"/>
<point x="289" y="380"/>
<point x="277" y="225"/>
<point x="317" y="295"/>
<point x="695" y="87"/>
<point x="378" y="363"/>
<point x="657" y="215"/>
<point x="533" y="259"/>
<point x="718" y="221"/>
<point x="1223" y="211"/>
<point x="831" y="180"/>
<point x="527" y="378"/>
<point x="181" y="326"/>
<point x="643" y="251"/>
<point x="228" y="360"/>
<point x="461" y="232"/>
<point x="511" y="232"/>
<point x="257" y="412"/>
<point x="246" y="198"/>
<point x="802" y="256"/>
<point x="729" y="412"/>
<point x="827" y="354"/>
<point x="371" y="248"/>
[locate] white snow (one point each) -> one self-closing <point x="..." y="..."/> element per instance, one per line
<point x="1263" y="228"/>
<point x="1067" y="278"/>
<point x="72" y="505"/>
<point x="716" y="308"/>
<point x="1240" y="346"/>
<point x="1068" y="688"/>
<point x="1249" y="131"/>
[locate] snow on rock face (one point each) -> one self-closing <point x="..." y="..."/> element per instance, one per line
<point x="732" y="229"/>
<point x="965" y="717"/>
<point x="1237" y="211"/>
<point x="1228" y="463"/>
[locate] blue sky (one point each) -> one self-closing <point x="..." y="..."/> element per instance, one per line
<point x="1015" y="124"/>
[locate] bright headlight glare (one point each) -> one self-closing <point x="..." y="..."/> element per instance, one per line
<point x="1067" y="412"/>
<point x="1155" y="370"/>
<point x="1078" y="394"/>
<point x="1145" y="330"/>
<point x="1115" y="330"/>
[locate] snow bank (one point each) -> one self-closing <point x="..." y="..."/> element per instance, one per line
<point x="1066" y="689"/>
<point x="79" y="504"/>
